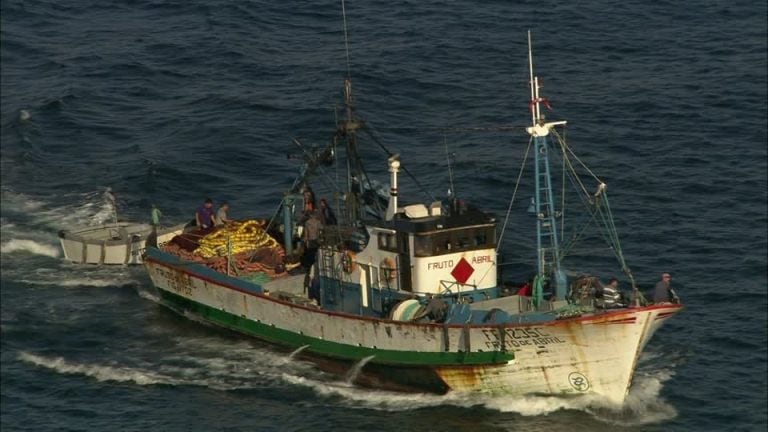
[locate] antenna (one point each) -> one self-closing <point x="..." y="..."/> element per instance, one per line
<point x="534" y="109"/>
<point x="346" y="38"/>
<point x="450" y="170"/>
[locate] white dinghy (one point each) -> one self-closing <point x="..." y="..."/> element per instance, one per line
<point x="120" y="243"/>
<point x="115" y="242"/>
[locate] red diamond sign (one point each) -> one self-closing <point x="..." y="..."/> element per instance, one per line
<point x="462" y="271"/>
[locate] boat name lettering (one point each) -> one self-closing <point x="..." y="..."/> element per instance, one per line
<point x="482" y="259"/>
<point x="440" y="265"/>
<point x="519" y="337"/>
<point x="536" y="341"/>
<point x="177" y="281"/>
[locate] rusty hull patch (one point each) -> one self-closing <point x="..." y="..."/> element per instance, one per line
<point x="467" y="377"/>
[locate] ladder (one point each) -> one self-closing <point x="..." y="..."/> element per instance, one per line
<point x="547" y="243"/>
<point x="327" y="263"/>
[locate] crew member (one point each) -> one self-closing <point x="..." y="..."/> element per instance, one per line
<point x="204" y="217"/>
<point x="663" y="293"/>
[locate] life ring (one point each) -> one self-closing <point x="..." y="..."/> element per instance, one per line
<point x="348" y="261"/>
<point x="388" y="269"/>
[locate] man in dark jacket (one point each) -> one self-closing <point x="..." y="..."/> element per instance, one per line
<point x="312" y="228"/>
<point x="663" y="293"/>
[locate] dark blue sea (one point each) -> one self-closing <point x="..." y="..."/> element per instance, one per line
<point x="168" y="102"/>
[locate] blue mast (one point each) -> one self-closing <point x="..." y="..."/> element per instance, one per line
<point x="547" y="244"/>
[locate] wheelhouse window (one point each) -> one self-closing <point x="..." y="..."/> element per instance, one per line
<point x="387" y="242"/>
<point x="422" y="245"/>
<point x="481" y="237"/>
<point x="440" y="243"/>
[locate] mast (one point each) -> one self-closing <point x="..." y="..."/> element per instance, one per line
<point x="357" y="179"/>
<point x="354" y="164"/>
<point x="547" y="242"/>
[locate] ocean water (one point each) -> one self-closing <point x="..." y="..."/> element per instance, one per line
<point x="168" y="102"/>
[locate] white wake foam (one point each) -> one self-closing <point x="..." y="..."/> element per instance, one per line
<point x="29" y="246"/>
<point x="99" y="372"/>
<point x="149" y="295"/>
<point x="378" y="399"/>
<point x="20" y="202"/>
<point x="224" y="364"/>
<point x="77" y="215"/>
<point x="222" y="374"/>
<point x="75" y="282"/>
<point x="83" y="209"/>
<point x="643" y="405"/>
<point x="68" y="275"/>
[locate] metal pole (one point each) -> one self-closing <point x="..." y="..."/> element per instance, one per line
<point x="288" y="223"/>
<point x="229" y="253"/>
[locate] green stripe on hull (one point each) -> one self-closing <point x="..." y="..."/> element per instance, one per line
<point x="336" y="350"/>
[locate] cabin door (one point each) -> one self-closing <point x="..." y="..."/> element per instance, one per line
<point x="372" y="295"/>
<point x="404" y="261"/>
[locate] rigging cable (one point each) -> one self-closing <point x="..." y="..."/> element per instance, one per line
<point x="450" y="170"/>
<point x="601" y="208"/>
<point x="567" y="160"/>
<point x="314" y="159"/>
<point x="562" y="195"/>
<point x="577" y="158"/>
<point x="514" y="193"/>
<point x="453" y="129"/>
<point x="369" y="131"/>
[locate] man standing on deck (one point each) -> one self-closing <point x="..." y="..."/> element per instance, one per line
<point x="311" y="243"/>
<point x="663" y="293"/>
<point x="152" y="237"/>
<point x="326" y="213"/>
<point x="222" y="216"/>
<point x="204" y="217"/>
<point x="611" y="294"/>
<point x="156" y="215"/>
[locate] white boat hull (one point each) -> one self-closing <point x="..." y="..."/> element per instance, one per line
<point x="591" y="354"/>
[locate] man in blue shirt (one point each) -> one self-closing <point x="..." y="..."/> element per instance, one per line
<point x="204" y="216"/>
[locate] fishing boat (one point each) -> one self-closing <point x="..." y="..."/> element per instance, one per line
<point x="409" y="294"/>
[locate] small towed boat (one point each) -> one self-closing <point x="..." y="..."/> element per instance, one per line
<point x="113" y="243"/>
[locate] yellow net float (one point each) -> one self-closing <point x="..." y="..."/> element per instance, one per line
<point x="242" y="236"/>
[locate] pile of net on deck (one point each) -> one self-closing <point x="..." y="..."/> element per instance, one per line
<point x="245" y="244"/>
